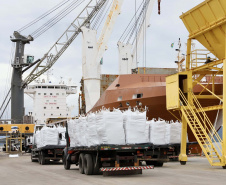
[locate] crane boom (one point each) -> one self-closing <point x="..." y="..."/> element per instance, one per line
<point x="93" y="51"/>
<point x="108" y="27"/>
<point x="47" y="61"/>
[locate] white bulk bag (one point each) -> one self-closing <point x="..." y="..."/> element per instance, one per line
<point x="135" y="127"/>
<point x="37" y="139"/>
<point x="49" y="136"/>
<point x="157" y="132"/>
<point x="82" y="135"/>
<point x="147" y="131"/>
<point x="110" y="127"/>
<point x="61" y="131"/>
<point x="92" y="136"/>
<point x="173" y="133"/>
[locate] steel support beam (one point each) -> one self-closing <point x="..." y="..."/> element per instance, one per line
<point x="206" y="66"/>
<point x="208" y="72"/>
<point x="183" y="146"/>
<point x="210" y="108"/>
<point x="224" y="114"/>
<point x="208" y="28"/>
<point x="209" y="97"/>
<point x="188" y="57"/>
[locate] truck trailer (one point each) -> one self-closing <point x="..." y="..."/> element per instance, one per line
<point x="117" y="159"/>
<point x="46" y="153"/>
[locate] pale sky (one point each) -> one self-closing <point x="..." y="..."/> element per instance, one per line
<point x="164" y="29"/>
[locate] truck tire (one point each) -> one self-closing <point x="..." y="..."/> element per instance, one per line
<point x="39" y="157"/>
<point x="67" y="164"/>
<point x="88" y="164"/>
<point x="43" y="160"/>
<point x="81" y="163"/>
<point x="159" y="164"/>
<point x="155" y="163"/>
<point x="96" y="169"/>
<point x="150" y="162"/>
<point x="56" y="160"/>
<point x="33" y="160"/>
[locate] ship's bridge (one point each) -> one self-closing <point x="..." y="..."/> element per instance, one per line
<point x="31" y="89"/>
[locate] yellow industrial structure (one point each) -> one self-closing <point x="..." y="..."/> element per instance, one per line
<point x="21" y="128"/>
<point x="206" y="23"/>
<point x="16" y="132"/>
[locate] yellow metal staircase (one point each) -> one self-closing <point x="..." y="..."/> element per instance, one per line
<point x="202" y="128"/>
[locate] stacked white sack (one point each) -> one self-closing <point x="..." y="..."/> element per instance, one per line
<point x="135" y="127"/>
<point x="37" y="139"/>
<point x="158" y="132"/>
<point x="49" y="136"/>
<point x="82" y="131"/>
<point x="173" y="133"/>
<point x="62" y="131"/>
<point x="76" y="133"/>
<point x="92" y="137"/>
<point x="147" y="131"/>
<point x="110" y="127"/>
<point x="71" y="132"/>
<point x="124" y="116"/>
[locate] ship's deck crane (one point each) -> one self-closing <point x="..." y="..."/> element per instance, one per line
<point x="48" y="60"/>
<point x="129" y="51"/>
<point x="93" y="51"/>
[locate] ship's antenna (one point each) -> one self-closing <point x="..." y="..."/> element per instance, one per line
<point x="180" y="57"/>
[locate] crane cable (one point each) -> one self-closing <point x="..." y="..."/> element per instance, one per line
<point x="43" y="15"/>
<point x="104" y="14"/>
<point x="129" y="29"/>
<point x="56" y="18"/>
<point x="97" y="17"/>
<point x="7" y="82"/>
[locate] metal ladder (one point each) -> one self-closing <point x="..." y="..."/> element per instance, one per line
<point x="203" y="129"/>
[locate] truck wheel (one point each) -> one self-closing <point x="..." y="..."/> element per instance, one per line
<point x="88" y="164"/>
<point x="39" y="157"/>
<point x="67" y="164"/>
<point x="33" y="160"/>
<point x="183" y="162"/>
<point x="96" y="169"/>
<point x="159" y="164"/>
<point x="56" y="160"/>
<point x="81" y="163"/>
<point x="150" y="162"/>
<point x="43" y="160"/>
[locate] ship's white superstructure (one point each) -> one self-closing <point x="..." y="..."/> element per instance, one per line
<point x="49" y="101"/>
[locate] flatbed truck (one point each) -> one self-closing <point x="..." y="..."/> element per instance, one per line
<point x="116" y="159"/>
<point x="46" y="153"/>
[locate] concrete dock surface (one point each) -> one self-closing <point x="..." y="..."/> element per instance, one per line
<point x="21" y="171"/>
